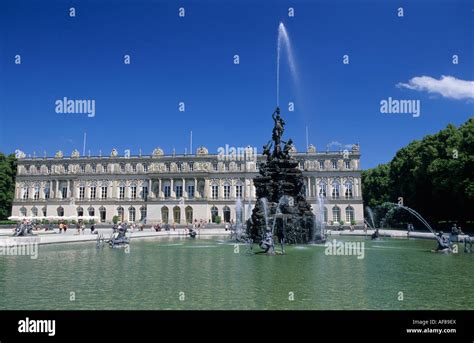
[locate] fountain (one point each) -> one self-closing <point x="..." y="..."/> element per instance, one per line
<point x="444" y="242"/>
<point x="237" y="232"/>
<point x="281" y="208"/>
<point x="371" y="216"/>
<point x="319" y="232"/>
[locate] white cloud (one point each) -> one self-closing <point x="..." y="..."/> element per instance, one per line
<point x="447" y="86"/>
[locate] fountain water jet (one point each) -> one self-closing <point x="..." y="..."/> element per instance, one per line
<point x="284" y="39"/>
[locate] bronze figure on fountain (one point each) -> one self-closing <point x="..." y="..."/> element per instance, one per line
<point x="289" y="217"/>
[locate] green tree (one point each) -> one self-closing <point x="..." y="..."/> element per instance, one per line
<point x="7" y="184"/>
<point x="433" y="175"/>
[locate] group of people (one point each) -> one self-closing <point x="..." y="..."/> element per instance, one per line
<point x="196" y="225"/>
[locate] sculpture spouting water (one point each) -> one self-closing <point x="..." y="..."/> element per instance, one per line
<point x="281" y="209"/>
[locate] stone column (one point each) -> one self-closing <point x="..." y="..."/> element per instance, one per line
<point x="195" y="189"/>
<point x="56" y="192"/>
<point x="185" y="191"/>
<point x="308" y="188"/>
<point x="149" y="189"/>
<point x="172" y="192"/>
<point x="206" y="188"/>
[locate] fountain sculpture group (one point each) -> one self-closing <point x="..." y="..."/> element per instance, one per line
<point x="281" y="209"/>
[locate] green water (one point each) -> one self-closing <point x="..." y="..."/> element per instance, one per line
<point x="207" y="274"/>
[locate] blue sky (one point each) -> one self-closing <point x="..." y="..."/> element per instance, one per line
<point x="190" y="59"/>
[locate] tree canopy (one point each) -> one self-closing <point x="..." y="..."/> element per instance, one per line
<point x="7" y="184"/>
<point x="433" y="175"/>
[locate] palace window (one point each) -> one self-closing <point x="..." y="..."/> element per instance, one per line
<point x="34" y="212"/>
<point x="321" y="165"/>
<point x="322" y="189"/>
<point x="24" y="193"/>
<point x="145" y="168"/>
<point x="131" y="214"/>
<point x="226" y="191"/>
<point x="122" y="168"/>
<point x="215" y="191"/>
<point x="179" y="166"/>
<point x="168" y="167"/>
<point x="238" y="191"/>
<point x="82" y="192"/>
<point x="64" y="192"/>
<point x="133" y="192"/>
<point x="46" y="193"/>
<point x="83" y="168"/>
<point x="37" y="193"/>
<point x="93" y="192"/>
<point x="144" y="192"/>
<point x="191" y="191"/>
<point x="334" y="164"/>
<point x="347" y="164"/>
<point x="23" y="212"/>
<point x="104" y="168"/>
<point x="80" y="212"/>
<point x="348" y="192"/>
<point x="350" y="214"/>
<point x="66" y="168"/>
<point x="122" y="192"/>
<point x="94" y="168"/>
<point x="104" y="192"/>
<point x="335" y="190"/>
<point x="214" y="166"/>
<point x="134" y="168"/>
<point x="336" y="214"/>
<point x="179" y="191"/>
<point x="167" y="191"/>
<point x="191" y="166"/>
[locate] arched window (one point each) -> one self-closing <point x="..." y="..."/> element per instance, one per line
<point x="121" y="213"/>
<point x="91" y="211"/>
<point x="44" y="211"/>
<point x="177" y="214"/>
<point x="335" y="190"/>
<point x="80" y="212"/>
<point x="143" y="214"/>
<point x="189" y="214"/>
<point x="214" y="213"/>
<point x="60" y="211"/>
<point x="226" y="212"/>
<point x="23" y="212"/>
<point x="350" y="214"/>
<point x="103" y="214"/>
<point x="131" y="214"/>
<point x="165" y="215"/>
<point x="336" y="214"/>
<point x="34" y="212"/>
<point x="348" y="194"/>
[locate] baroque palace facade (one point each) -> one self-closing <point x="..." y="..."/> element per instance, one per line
<point x="178" y="188"/>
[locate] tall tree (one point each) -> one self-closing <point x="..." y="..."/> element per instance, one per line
<point x="433" y="175"/>
<point x="7" y="184"/>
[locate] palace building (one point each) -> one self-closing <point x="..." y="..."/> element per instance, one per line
<point x="161" y="188"/>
